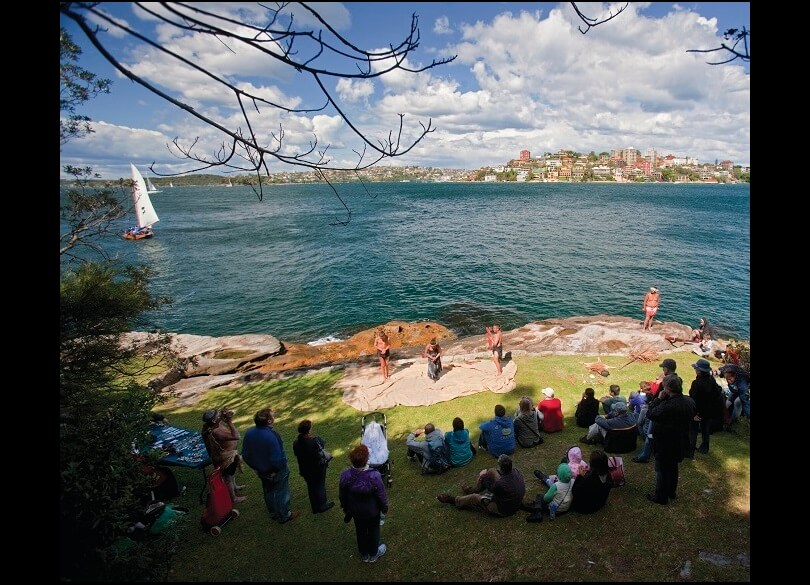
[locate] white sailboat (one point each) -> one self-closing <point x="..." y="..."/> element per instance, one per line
<point x="171" y="184"/>
<point x="150" y="187"/>
<point x="144" y="212"/>
<point x="229" y="182"/>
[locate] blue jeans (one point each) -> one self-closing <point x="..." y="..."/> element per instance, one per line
<point x="277" y="494"/>
<point x="646" y="449"/>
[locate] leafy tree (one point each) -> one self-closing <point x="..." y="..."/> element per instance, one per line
<point x="76" y="86"/>
<point x="103" y="404"/>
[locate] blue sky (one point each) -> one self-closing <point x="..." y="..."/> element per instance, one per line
<point x="524" y="77"/>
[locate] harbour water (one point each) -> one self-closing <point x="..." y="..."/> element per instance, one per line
<point x="462" y="254"/>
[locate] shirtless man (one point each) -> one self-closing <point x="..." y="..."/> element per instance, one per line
<point x="383" y="348"/>
<point x="495" y="345"/>
<point x="650" y="307"/>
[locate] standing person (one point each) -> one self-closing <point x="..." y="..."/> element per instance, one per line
<point x="383" y="347"/>
<point x="495" y="345"/>
<point x="220" y="442"/>
<point x="650" y="307"/>
<point x="363" y="499"/>
<point x="433" y="353"/>
<point x="672" y="413"/>
<point x="498" y="435"/>
<point x="263" y="451"/>
<point x="551" y="409"/>
<point x="307" y="450"/>
<point x="707" y="394"/>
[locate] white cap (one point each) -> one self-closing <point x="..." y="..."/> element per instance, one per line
<point x="549" y="392"/>
<point x="653" y="289"/>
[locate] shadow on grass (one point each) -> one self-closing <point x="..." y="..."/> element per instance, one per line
<point x="630" y="539"/>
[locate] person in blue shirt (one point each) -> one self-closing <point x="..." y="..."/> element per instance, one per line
<point x="498" y="434"/>
<point x="263" y="451"/>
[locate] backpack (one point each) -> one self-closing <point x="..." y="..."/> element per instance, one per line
<point x="438" y="461"/>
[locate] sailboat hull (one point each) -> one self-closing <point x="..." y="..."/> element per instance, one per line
<point x="138" y="236"/>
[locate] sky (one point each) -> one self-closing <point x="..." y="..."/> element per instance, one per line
<point x="523" y="77"/>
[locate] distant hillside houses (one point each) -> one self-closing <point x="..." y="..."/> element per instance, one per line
<point x="620" y="165"/>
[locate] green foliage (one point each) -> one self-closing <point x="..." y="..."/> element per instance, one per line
<point x="103" y="409"/>
<point x="76" y="86"/>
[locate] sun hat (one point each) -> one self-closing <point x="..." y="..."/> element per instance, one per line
<point x="548" y="392"/>
<point x="702" y="366"/>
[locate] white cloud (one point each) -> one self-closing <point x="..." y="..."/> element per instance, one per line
<point x="442" y="26"/>
<point x="352" y="90"/>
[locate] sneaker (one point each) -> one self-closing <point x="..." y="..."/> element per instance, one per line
<point x="655" y="500"/>
<point x="366" y="558"/>
<point x="586" y="440"/>
<point x="380" y="552"/>
<point x="326" y="506"/>
<point x="411" y="457"/>
<point x="239" y="499"/>
<point x="293" y="515"/>
<point x="446" y="499"/>
<point x="467" y="490"/>
<point x="239" y="487"/>
<point x="540" y="475"/>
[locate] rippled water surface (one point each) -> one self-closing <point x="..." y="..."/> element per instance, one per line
<point x="460" y="254"/>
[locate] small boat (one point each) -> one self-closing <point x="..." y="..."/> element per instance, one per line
<point x="144" y="212"/>
<point x="171" y="184"/>
<point x="229" y="183"/>
<point x="150" y="187"/>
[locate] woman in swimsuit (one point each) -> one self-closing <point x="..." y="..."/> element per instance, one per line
<point x="383" y="351"/>
<point x="495" y="345"/>
<point x="433" y="353"/>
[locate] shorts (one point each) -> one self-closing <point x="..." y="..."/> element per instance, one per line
<point x="651" y="311"/>
<point x="499" y="350"/>
<point x="385" y="355"/>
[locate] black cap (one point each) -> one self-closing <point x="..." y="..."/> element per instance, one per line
<point x="669" y="364"/>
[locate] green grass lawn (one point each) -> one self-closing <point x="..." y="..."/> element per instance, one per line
<point x="630" y="539"/>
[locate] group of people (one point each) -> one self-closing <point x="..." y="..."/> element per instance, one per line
<point x="669" y="420"/>
<point x="433" y="352"/>
<point x="500" y="491"/>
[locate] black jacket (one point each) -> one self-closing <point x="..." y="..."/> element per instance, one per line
<point x="672" y="417"/>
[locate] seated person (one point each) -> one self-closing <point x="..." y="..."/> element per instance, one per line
<point x="433" y="353"/>
<point x="587" y="409"/>
<point x="619" y="418"/>
<point x="163" y="484"/>
<point x="559" y="495"/>
<point x="458" y="444"/>
<point x="591" y="491"/>
<point x="551" y="409"/>
<point x="611" y="398"/>
<point x="527" y="424"/>
<point x="704" y="331"/>
<point x="498" y="491"/>
<point x="421" y="449"/>
<point x="637" y="400"/>
<point x="498" y="434"/>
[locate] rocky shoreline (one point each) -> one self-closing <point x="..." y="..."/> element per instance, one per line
<point x="240" y="359"/>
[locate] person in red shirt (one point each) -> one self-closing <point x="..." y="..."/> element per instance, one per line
<point x="551" y="409"/>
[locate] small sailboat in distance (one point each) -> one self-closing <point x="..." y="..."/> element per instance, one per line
<point x="229" y="183"/>
<point x="150" y="187"/>
<point x="144" y="212"/>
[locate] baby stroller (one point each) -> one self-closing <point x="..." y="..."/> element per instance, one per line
<point x="374" y="435"/>
<point x="219" y="508"/>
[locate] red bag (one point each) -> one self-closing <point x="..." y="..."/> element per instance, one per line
<point x="616" y="471"/>
<point x="219" y="505"/>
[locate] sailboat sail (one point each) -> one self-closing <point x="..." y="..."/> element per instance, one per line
<point x="150" y="187"/>
<point x="144" y="211"/>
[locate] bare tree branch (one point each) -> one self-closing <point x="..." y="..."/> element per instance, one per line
<point x="316" y="54"/>
<point x="736" y="51"/>
<point x="592" y="22"/>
